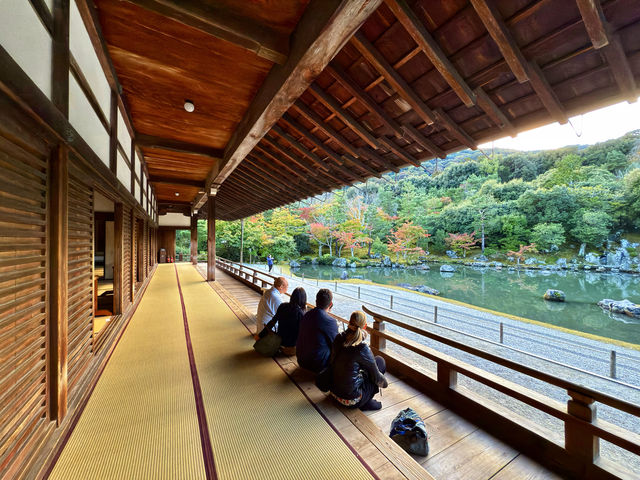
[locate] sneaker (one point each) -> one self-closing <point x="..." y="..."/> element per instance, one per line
<point x="371" y="405"/>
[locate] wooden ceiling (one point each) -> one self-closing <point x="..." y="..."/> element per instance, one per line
<point x="419" y="79"/>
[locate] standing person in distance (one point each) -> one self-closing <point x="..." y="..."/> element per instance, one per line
<point x="317" y="331"/>
<point x="356" y="375"/>
<point x="270" y="262"/>
<point x="269" y="303"/>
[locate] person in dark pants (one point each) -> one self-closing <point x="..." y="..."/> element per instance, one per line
<point x="287" y="319"/>
<point x="356" y="376"/>
<point x="317" y="331"/>
<point x="270" y="262"/>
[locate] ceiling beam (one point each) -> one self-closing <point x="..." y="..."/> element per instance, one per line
<point x="223" y="23"/>
<point x="423" y="141"/>
<point x="594" y="22"/>
<point x="269" y="177"/>
<point x="323" y="29"/>
<point x="150" y="141"/>
<point x="432" y="50"/>
<point x="300" y="147"/>
<point x="494" y="112"/>
<point x="522" y="68"/>
<point x="177" y="181"/>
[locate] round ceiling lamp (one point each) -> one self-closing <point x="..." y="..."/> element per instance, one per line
<point x="189" y="106"/>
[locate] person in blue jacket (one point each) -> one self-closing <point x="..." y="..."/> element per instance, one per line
<point x="317" y="332"/>
<point x="270" y="262"/>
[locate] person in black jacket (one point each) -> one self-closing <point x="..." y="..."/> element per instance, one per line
<point x="356" y="376"/>
<point x="287" y="319"/>
<point x="317" y="331"/>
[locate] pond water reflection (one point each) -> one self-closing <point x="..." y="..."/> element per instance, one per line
<point x="518" y="293"/>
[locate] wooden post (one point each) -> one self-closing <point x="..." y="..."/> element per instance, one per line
<point x="211" y="239"/>
<point x="612" y="366"/>
<point x="241" y="241"/>
<point x="377" y="342"/>
<point x="447" y="377"/>
<point x="118" y="237"/>
<point x="435" y="314"/>
<point x="194" y="240"/>
<point x="501" y="332"/>
<point x="57" y="328"/>
<point x="578" y="440"/>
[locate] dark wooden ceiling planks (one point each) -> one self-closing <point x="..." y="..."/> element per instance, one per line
<point x="417" y="80"/>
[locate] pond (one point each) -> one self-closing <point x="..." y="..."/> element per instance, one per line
<point x="518" y="293"/>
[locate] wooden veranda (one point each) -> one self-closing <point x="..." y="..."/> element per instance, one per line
<point x="122" y="117"/>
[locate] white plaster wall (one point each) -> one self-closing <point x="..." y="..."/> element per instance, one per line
<point x="124" y="172"/>
<point x="24" y="37"/>
<point x="174" y="220"/>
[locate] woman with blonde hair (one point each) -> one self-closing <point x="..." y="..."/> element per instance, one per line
<point x="356" y="376"/>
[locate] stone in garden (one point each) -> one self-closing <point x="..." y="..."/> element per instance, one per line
<point x="353" y="265"/>
<point x="562" y="262"/>
<point x="530" y="261"/>
<point x="583" y="248"/>
<point x="408" y="286"/>
<point x="451" y="254"/>
<point x="427" y="290"/>
<point x="592" y="258"/>
<point x="624" y="243"/>
<point x="625" y="307"/>
<point x="314" y="261"/>
<point x="554" y="295"/>
<point x="294" y="264"/>
<point x="344" y="275"/>
<point x="447" y="268"/>
<point x="601" y="269"/>
<point x="340" y="262"/>
<point x="424" y="267"/>
<point x="386" y="261"/>
<point x="481" y="258"/>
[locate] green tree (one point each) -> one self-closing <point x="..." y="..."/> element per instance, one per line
<point x="544" y="235"/>
<point x="632" y="196"/>
<point x="514" y="230"/>
<point x="592" y="227"/>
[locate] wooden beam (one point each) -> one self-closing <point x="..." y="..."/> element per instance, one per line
<point x="399" y="152"/>
<point x="379" y="159"/>
<point x="113" y="134"/>
<point x="222" y="22"/>
<point x="268" y="159"/>
<point x="432" y="50"/>
<point x="150" y="141"/>
<point x="57" y="324"/>
<point x="320" y="33"/>
<point x="546" y="94"/>
<point x="498" y="30"/>
<point x="194" y="240"/>
<point x="594" y="22"/>
<point x="252" y="167"/>
<point x="61" y="57"/>
<point x="619" y="65"/>
<point x="494" y="112"/>
<point x="118" y="238"/>
<point x="177" y="181"/>
<point x="364" y="98"/>
<point x="299" y="146"/>
<point x="211" y="239"/>
<point x="399" y="84"/>
<point x="343" y="115"/>
<point x="424" y="142"/>
<point x="278" y="178"/>
<point x="287" y="154"/>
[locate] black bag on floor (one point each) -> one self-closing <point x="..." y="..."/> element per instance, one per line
<point x="268" y="345"/>
<point x="408" y="431"/>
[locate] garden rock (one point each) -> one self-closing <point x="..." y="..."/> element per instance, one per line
<point x="294" y="264"/>
<point x="353" y="265"/>
<point x="554" y="295"/>
<point x="531" y="261"/>
<point x="425" y="289"/>
<point x="583" y="248"/>
<point x="562" y="262"/>
<point x="447" y="268"/>
<point x="451" y="254"/>
<point x="340" y="262"/>
<point x="481" y="258"/>
<point x="625" y="307"/>
<point x="344" y="275"/>
<point x="592" y="258"/>
<point x="386" y="261"/>
<point x="314" y="261"/>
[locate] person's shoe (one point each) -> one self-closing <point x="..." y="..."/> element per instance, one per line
<point x="371" y="405"/>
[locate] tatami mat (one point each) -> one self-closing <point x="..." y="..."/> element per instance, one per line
<point x="261" y="425"/>
<point x="141" y="420"/>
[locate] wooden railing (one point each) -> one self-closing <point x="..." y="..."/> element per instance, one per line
<point x="578" y="455"/>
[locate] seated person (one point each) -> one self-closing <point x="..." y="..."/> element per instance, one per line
<point x="356" y="374"/>
<point x="288" y="318"/>
<point x="317" y="331"/>
<point x="269" y="303"/>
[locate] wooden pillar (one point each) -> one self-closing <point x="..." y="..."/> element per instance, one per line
<point x="134" y="255"/>
<point x="242" y="240"/>
<point x="577" y="439"/>
<point x="211" y="239"/>
<point x="378" y="343"/>
<point x="446" y="376"/>
<point x="118" y="237"/>
<point x="194" y="239"/>
<point x="57" y="328"/>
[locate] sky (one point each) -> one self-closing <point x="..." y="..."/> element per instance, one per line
<point x="593" y="127"/>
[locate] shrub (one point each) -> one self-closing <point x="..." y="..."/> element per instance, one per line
<point x="326" y="259"/>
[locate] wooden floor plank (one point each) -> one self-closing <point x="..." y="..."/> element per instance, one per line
<point x="523" y="468"/>
<point x="445" y="429"/>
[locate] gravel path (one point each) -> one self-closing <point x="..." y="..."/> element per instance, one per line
<point x="580" y="360"/>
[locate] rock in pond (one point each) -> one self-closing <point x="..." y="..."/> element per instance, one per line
<point x="419" y="288"/>
<point x="294" y="264"/>
<point x="386" y="261"/>
<point x="447" y="268"/>
<point x="625" y="307"/>
<point x="592" y="258"/>
<point x="562" y="262"/>
<point x="344" y="275"/>
<point x="353" y="265"/>
<point x="554" y="295"/>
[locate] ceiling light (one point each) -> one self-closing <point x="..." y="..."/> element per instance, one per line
<point x="177" y="194"/>
<point x="189" y="106"/>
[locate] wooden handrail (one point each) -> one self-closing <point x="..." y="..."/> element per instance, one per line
<point x="623" y="405"/>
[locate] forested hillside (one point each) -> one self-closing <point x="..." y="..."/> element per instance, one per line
<point x="552" y="198"/>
